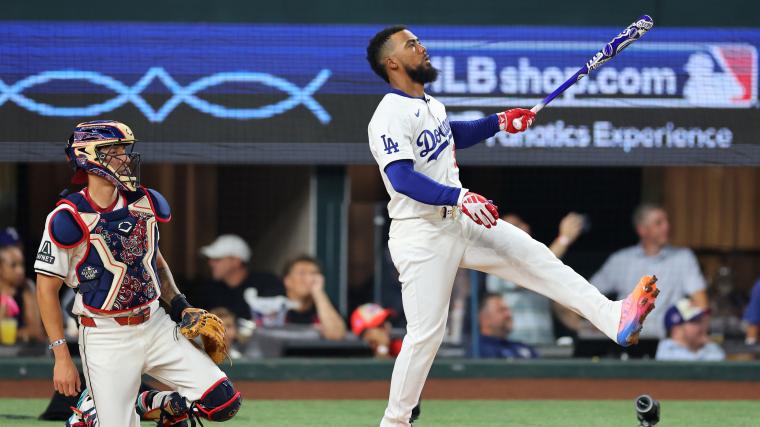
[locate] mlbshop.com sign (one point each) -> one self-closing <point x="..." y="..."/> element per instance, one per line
<point x="650" y="74"/>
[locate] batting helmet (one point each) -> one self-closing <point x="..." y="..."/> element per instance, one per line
<point x="93" y="148"/>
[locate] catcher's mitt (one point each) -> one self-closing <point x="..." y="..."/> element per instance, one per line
<point x="196" y="321"/>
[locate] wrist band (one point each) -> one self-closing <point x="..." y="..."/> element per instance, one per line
<point x="56" y="343"/>
<point x="177" y="306"/>
<point x="563" y="240"/>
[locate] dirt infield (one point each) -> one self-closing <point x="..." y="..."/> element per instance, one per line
<point x="501" y="389"/>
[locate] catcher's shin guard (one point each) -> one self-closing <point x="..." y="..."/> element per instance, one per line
<point x="220" y="402"/>
<point x="166" y="408"/>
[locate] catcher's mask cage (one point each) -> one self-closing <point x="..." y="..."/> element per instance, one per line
<point x="104" y="148"/>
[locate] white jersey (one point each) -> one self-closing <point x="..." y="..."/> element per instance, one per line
<point x="409" y="128"/>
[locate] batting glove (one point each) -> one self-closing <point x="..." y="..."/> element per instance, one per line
<point x="479" y="209"/>
<point x="517" y="116"/>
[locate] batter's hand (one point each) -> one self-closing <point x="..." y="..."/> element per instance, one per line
<point x="479" y="209"/>
<point x="507" y="119"/>
<point x="66" y="378"/>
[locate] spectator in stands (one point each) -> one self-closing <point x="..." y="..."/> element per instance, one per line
<point x="17" y="292"/>
<point x="305" y="288"/>
<point x="676" y="268"/>
<point x="687" y="325"/>
<point x="370" y="323"/>
<point x="532" y="312"/>
<point x="495" y="326"/>
<point x="752" y="316"/>
<point x="230" y="329"/>
<point x="229" y="257"/>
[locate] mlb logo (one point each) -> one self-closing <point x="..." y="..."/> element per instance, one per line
<point x="722" y="76"/>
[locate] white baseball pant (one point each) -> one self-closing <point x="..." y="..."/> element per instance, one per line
<point x="114" y="358"/>
<point x="427" y="253"/>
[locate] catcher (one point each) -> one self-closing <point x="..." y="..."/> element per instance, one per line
<point x="103" y="241"/>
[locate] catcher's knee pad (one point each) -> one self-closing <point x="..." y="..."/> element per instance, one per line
<point x="220" y="402"/>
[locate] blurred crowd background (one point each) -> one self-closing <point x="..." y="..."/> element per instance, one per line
<point x="289" y="313"/>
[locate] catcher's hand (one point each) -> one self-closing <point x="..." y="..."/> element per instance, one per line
<point x="196" y="321"/>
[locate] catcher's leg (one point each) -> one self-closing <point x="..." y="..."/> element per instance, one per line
<point x="176" y="362"/>
<point x="509" y="253"/>
<point x="112" y="360"/>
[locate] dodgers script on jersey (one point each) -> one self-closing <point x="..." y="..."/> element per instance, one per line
<point x="417" y="129"/>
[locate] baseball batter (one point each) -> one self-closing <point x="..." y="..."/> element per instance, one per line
<point x="103" y="241"/>
<point x="438" y="226"/>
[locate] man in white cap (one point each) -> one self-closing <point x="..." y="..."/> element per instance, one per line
<point x="229" y="256"/>
<point x="687" y="325"/>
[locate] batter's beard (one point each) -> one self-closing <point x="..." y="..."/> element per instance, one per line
<point x="423" y="74"/>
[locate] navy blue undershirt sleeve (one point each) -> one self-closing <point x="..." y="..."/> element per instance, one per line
<point x="419" y="187"/>
<point x="467" y="134"/>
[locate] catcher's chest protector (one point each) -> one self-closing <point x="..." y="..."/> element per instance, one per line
<point x="118" y="271"/>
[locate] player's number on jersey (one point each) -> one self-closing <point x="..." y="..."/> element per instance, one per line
<point x="390" y="146"/>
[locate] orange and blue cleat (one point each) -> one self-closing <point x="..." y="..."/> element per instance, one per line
<point x="636" y="306"/>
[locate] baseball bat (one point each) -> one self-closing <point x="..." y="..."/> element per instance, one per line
<point x="629" y="35"/>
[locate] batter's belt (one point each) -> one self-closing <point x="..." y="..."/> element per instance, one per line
<point x="439" y="214"/>
<point x="450" y="212"/>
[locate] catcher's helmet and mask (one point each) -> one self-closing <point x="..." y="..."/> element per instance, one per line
<point x="95" y="147"/>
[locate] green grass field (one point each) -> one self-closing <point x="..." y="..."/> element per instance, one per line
<point x="440" y="413"/>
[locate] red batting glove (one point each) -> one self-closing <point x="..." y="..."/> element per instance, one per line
<point x="507" y="120"/>
<point x="479" y="209"/>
